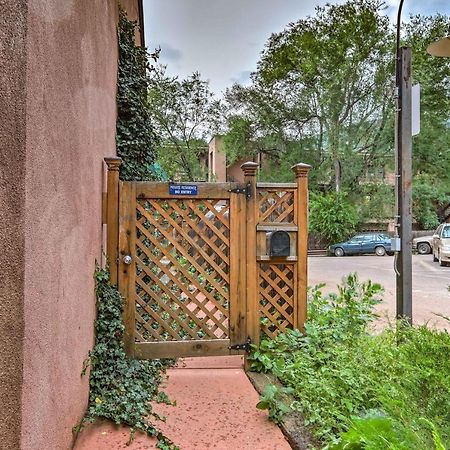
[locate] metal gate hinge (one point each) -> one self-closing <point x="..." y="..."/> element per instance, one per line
<point x="245" y="346"/>
<point x="247" y="190"/>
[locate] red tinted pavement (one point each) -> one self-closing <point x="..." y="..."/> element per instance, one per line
<point x="215" y="410"/>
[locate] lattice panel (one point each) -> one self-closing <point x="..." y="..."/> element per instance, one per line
<point x="182" y="269"/>
<point x="276" y="298"/>
<point x="276" y="206"/>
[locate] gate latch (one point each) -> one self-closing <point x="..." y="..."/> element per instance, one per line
<point x="245" y="346"/>
<point x="247" y="190"/>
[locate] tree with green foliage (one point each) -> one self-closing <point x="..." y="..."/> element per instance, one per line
<point x="323" y="93"/>
<point x="185" y="113"/>
<point x="431" y="148"/>
<point x="428" y="197"/>
<point x="325" y="83"/>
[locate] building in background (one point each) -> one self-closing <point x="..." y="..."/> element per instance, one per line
<point x="219" y="169"/>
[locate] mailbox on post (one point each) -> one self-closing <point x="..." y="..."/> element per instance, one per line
<point x="279" y="243"/>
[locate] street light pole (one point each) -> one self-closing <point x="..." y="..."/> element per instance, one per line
<point x="403" y="146"/>
<point x="403" y="162"/>
<point x="404" y="186"/>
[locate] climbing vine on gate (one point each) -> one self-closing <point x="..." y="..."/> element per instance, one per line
<point x="136" y="139"/>
<point x="121" y="389"/>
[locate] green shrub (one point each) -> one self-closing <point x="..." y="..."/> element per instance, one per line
<point x="271" y="400"/>
<point x="427" y="197"/>
<point x="352" y="386"/>
<point x="332" y="216"/>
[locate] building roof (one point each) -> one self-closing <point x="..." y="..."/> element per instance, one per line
<point x="141" y="21"/>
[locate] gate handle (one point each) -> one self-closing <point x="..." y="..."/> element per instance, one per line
<point x="127" y="259"/>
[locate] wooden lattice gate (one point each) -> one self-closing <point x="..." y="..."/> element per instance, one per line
<point x="197" y="263"/>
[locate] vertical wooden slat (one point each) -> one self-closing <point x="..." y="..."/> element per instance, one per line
<point x="112" y="215"/>
<point x="253" y="329"/>
<point x="298" y="314"/>
<point x="300" y="308"/>
<point x="238" y="304"/>
<point x="127" y="272"/>
<point x="104" y="208"/>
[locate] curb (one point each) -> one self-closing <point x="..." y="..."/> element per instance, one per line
<point x="293" y="428"/>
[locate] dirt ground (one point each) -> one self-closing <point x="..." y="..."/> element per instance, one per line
<point x="430" y="283"/>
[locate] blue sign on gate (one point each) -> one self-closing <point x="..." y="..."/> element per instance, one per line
<point x="183" y="189"/>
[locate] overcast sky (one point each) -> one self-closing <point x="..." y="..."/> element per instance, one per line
<point x="222" y="39"/>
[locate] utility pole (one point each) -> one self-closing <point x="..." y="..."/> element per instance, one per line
<point x="403" y="146"/>
<point x="403" y="156"/>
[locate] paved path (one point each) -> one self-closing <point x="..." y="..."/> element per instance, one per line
<point x="430" y="283"/>
<point x="215" y="410"/>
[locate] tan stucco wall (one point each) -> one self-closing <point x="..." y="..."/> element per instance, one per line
<point x="12" y="204"/>
<point x="71" y="116"/>
<point x="234" y="171"/>
<point x="131" y="7"/>
<point x="217" y="160"/>
<point x="58" y="67"/>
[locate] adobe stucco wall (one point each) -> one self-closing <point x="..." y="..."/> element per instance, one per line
<point x="12" y="204"/>
<point x="71" y="118"/>
<point x="235" y="173"/>
<point x="58" y="65"/>
<point x="217" y="160"/>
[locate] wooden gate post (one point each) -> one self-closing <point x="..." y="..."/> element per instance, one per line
<point x="112" y="215"/>
<point x="249" y="168"/>
<point x="301" y="173"/>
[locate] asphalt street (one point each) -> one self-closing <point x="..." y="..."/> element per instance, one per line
<point x="430" y="283"/>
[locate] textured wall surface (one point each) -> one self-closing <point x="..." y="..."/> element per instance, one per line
<point x="12" y="203"/>
<point x="71" y="117"/>
<point x="131" y="7"/>
<point x="217" y="160"/>
<point x="58" y="68"/>
<point x="235" y="173"/>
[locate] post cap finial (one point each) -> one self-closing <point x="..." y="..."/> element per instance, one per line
<point x="301" y="169"/>
<point x="249" y="168"/>
<point x="113" y="162"/>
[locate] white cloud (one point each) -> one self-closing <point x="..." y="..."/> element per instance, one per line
<point x="222" y="39"/>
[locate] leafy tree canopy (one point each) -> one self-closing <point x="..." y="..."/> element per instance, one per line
<point x="431" y="148"/>
<point x="323" y="93"/>
<point x="325" y="83"/>
<point x="185" y="114"/>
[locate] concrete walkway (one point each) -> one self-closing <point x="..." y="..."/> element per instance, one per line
<point x="215" y="410"/>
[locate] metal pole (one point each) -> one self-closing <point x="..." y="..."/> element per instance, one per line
<point x="404" y="185"/>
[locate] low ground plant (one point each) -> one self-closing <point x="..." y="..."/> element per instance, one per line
<point x="121" y="389"/>
<point x="360" y="390"/>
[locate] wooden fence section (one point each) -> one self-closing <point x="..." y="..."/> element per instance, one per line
<point x="282" y="280"/>
<point x="194" y="265"/>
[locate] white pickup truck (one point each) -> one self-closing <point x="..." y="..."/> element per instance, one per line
<point x="423" y="244"/>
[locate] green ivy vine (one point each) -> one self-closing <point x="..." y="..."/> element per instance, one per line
<point x="136" y="139"/>
<point x="121" y="389"/>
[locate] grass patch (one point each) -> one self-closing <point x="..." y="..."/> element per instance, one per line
<point x="357" y="390"/>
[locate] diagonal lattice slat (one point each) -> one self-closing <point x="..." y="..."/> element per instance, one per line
<point x="276" y="206"/>
<point x="182" y="269"/>
<point x="276" y="293"/>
